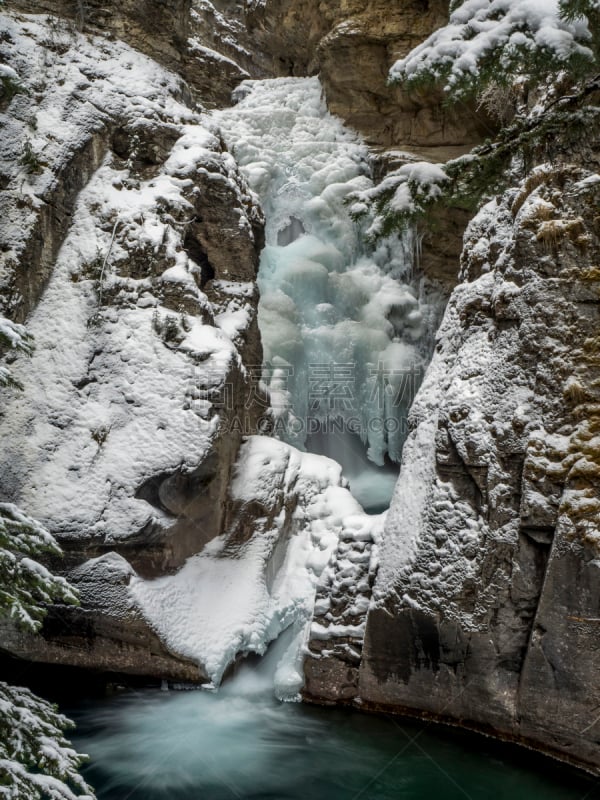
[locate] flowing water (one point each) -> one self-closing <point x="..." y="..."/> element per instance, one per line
<point x="241" y="743"/>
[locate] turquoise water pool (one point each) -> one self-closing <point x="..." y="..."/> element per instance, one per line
<point x="154" y="745"/>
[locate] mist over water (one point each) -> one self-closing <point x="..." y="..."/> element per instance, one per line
<point x="242" y="743"/>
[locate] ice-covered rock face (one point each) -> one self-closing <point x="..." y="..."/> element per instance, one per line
<point x="290" y="514"/>
<point x="299" y="554"/>
<point x="344" y="326"/>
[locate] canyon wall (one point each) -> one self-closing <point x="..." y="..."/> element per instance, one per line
<point x="130" y="242"/>
<point x="486" y="604"/>
<point x="186" y="36"/>
<point x="484" y="611"/>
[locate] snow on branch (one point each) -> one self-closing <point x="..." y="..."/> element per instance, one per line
<point x="16" y="337"/>
<point x="26" y="585"/>
<point x="36" y="761"/>
<point x="402" y="196"/>
<point x="500" y="39"/>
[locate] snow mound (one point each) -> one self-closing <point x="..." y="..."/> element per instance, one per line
<point x="231" y="600"/>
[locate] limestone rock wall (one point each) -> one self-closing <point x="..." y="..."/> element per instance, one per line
<point x="486" y="604"/>
<point x="352" y="44"/>
<point x="155" y="27"/>
<point x="189" y="37"/>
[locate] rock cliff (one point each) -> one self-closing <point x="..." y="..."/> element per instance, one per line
<point x="351" y="44"/>
<point x="190" y="37"/>
<point x="132" y="239"/>
<point x="485" y="607"/>
<point x="130" y="242"/>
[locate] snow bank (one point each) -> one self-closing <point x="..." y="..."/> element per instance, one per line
<point x="233" y="600"/>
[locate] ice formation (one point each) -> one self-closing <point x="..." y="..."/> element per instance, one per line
<point x="345" y="333"/>
<point x="343" y="325"/>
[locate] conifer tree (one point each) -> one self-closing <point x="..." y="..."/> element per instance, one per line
<point x="36" y="760"/>
<point x="538" y="61"/>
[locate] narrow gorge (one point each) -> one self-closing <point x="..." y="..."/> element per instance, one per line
<point x="301" y="373"/>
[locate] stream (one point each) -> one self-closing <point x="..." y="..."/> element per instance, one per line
<point x="242" y="743"/>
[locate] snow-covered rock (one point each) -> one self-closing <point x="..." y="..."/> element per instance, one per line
<point x="191" y="37"/>
<point x="138" y="392"/>
<point x="485" y="609"/>
<point x="289" y="513"/>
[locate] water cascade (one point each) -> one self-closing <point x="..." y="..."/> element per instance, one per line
<point x="347" y="332"/>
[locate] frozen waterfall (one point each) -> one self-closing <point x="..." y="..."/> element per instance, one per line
<point x="342" y="323"/>
<point x="346" y="334"/>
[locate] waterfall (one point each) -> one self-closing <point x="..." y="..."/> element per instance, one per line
<point x="342" y="323"/>
<point x="346" y="332"/>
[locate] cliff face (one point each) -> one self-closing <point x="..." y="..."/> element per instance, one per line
<point x="485" y="608"/>
<point x="156" y="28"/>
<point x="132" y="242"/>
<point x="352" y="44"/>
<point x="189" y="37"/>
